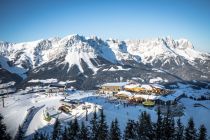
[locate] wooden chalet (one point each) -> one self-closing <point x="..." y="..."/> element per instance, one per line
<point x="56" y="88"/>
<point x="123" y="95"/>
<point x="112" y="88"/>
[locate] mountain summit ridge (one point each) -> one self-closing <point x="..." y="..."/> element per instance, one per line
<point x="84" y="57"/>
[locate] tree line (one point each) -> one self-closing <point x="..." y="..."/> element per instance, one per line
<point x="165" y="128"/>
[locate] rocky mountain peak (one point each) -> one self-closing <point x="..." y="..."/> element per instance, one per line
<point x="89" y="55"/>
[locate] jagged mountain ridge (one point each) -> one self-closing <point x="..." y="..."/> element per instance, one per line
<point x="84" y="59"/>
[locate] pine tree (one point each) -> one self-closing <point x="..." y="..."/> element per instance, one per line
<point x="172" y="127"/>
<point x="145" y="128"/>
<point x="56" y="135"/>
<point x="111" y="135"/>
<point x="20" y="134"/>
<point x="69" y="132"/>
<point x="36" y="136"/>
<point x="130" y="132"/>
<point x="117" y="130"/>
<point x="73" y="130"/>
<point x="202" y="133"/>
<point x="3" y="130"/>
<point x="140" y="131"/>
<point x="158" y="126"/>
<point x="65" y="134"/>
<point x="40" y="136"/>
<point x="168" y="126"/>
<point x="114" y="132"/>
<point x="179" y="130"/>
<point x="102" y="127"/>
<point x="149" y="127"/>
<point x="43" y="137"/>
<point x="190" y="131"/>
<point x="76" y="128"/>
<point x="84" y="133"/>
<point x="94" y="126"/>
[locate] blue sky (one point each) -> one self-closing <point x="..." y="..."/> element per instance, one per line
<point x="27" y="20"/>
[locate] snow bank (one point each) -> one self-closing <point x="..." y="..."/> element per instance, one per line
<point x="154" y="80"/>
<point x="66" y="82"/>
<point x="116" y="84"/>
<point x="5" y="85"/>
<point x="46" y="81"/>
<point x="116" y="69"/>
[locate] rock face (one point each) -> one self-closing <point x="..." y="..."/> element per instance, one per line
<point x="92" y="61"/>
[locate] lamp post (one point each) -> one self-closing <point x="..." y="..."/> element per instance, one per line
<point x="86" y="115"/>
<point x="3" y="101"/>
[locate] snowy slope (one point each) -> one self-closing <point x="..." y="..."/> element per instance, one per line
<point x="120" y="50"/>
<point x="17" y="106"/>
<point x="149" y="50"/>
<point x="73" y="48"/>
<point x="18" y="70"/>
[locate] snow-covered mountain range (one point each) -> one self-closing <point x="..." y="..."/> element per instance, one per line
<point x="91" y="60"/>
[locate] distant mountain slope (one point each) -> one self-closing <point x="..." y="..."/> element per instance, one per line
<point x="6" y="76"/>
<point x="87" y="59"/>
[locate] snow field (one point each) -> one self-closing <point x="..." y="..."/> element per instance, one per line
<point x="17" y="105"/>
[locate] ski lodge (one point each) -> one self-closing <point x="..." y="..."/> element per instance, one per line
<point x="140" y="93"/>
<point x="112" y="88"/>
<point x="56" y="88"/>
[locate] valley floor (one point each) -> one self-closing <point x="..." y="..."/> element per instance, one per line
<point x="17" y="107"/>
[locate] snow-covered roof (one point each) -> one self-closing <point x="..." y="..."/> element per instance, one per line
<point x="158" y="86"/>
<point x="45" y="81"/>
<point x="132" y="85"/>
<point x="115" y="84"/>
<point x="148" y="87"/>
<point x="150" y="97"/>
<point x="154" y="80"/>
<point x="125" y="93"/>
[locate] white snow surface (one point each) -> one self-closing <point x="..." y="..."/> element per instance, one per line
<point x="162" y="47"/>
<point x="17" y="105"/>
<point x="66" y="82"/>
<point x="146" y="86"/>
<point x="116" y="69"/>
<point x="43" y="81"/>
<point x="8" y="84"/>
<point x="116" y="84"/>
<point x="154" y="80"/>
<point x="18" y="69"/>
<point x="131" y="85"/>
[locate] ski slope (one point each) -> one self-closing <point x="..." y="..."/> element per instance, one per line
<point x="17" y="105"/>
